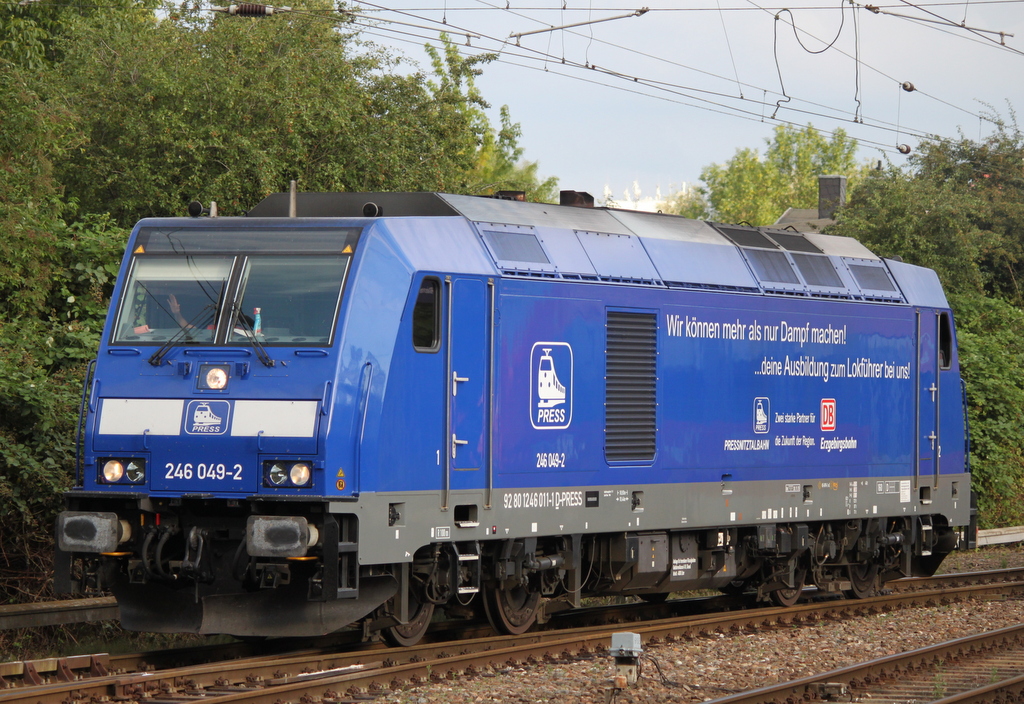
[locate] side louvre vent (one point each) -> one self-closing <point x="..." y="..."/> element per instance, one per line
<point x="630" y="387"/>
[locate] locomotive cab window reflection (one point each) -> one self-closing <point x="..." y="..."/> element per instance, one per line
<point x="232" y="298"/>
<point x="168" y="295"/>
<point x="426" y="317"/>
<point x="289" y="299"/>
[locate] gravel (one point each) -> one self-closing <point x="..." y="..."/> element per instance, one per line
<point x="713" y="666"/>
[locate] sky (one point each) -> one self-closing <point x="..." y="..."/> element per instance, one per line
<point x="644" y="101"/>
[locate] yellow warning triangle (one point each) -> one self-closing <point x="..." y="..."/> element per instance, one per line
<point x="347" y="250"/>
<point x="140" y="250"/>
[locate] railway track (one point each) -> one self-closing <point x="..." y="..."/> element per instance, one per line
<point x="332" y="676"/>
<point x="58" y="613"/>
<point x="983" y="668"/>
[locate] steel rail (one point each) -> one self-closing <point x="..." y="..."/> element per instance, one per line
<point x="290" y="677"/>
<point x="57" y="613"/>
<point x="859" y="678"/>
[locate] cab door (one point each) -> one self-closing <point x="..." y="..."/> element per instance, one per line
<point x="927" y="410"/>
<point x="468" y="383"/>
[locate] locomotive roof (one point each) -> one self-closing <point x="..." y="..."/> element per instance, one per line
<point x="643" y="248"/>
<point x="510" y="212"/>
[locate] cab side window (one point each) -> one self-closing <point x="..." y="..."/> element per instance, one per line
<point x="945" y="342"/>
<point x="426" y="317"/>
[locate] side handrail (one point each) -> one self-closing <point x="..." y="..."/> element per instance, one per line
<point x="967" y="426"/>
<point x="80" y="426"/>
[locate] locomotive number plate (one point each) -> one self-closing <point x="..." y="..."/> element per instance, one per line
<point x="201" y="470"/>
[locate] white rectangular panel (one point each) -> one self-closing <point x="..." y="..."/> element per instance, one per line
<point x="134" y="416"/>
<point x="277" y="419"/>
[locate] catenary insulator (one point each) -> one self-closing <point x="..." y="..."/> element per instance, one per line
<point x="248" y="9"/>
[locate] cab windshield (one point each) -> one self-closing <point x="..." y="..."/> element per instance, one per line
<point x="233" y="298"/>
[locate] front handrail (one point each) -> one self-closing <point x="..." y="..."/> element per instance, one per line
<point x="80" y="426"/>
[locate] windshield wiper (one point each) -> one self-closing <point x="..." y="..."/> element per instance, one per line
<point x="261" y="351"/>
<point x="201" y="320"/>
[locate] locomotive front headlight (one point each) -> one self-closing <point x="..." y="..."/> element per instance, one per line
<point x="113" y="470"/>
<point x="135" y="472"/>
<point x="124" y="470"/>
<point x="287" y="473"/>
<point x="216" y="378"/>
<point x="299" y="474"/>
<point x="278" y="474"/>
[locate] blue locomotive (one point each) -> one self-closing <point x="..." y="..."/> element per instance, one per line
<point x="364" y="408"/>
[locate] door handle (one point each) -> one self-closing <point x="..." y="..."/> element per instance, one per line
<point x="455" y="382"/>
<point x="456" y="442"/>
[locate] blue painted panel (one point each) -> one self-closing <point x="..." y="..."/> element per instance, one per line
<point x="920" y="286"/>
<point x="719" y="356"/>
<point x="741" y="390"/>
<point x="928" y="396"/>
<point x="439" y="244"/>
<point x="469" y="357"/>
<point x="372" y="311"/>
<point x="534" y="447"/>
<point x="413" y="414"/>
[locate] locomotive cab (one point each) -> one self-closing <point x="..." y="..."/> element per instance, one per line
<point x="206" y="430"/>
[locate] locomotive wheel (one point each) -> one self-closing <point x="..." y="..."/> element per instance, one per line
<point x="410" y="633"/>
<point x="790" y="595"/>
<point x="863" y="580"/>
<point x="511" y="611"/>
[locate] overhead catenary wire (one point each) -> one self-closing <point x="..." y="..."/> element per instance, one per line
<point x="532" y="54"/>
<point x="681" y="98"/>
<point x="951" y="23"/>
<point x="636" y="13"/>
<point x="716" y="101"/>
<point x="948" y="23"/>
<point x="537" y="8"/>
<point x="881" y="124"/>
<point x="676" y="89"/>
<point x="728" y="44"/>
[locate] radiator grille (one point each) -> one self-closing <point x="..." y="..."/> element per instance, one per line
<point x="631" y="382"/>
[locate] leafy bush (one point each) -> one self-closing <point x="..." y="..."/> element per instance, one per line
<point x="992" y="363"/>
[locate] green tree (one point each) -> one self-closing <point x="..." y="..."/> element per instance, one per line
<point x="989" y="331"/>
<point x="500" y="166"/>
<point x="926" y="221"/>
<point x="956" y="208"/>
<point x="758" y="190"/>
<point x="230" y="109"/>
<point x="53" y="290"/>
<point x="30" y="31"/>
<point x="991" y="172"/>
<point x="688" y="202"/>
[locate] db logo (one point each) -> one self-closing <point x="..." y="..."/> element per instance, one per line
<point x="828" y="414"/>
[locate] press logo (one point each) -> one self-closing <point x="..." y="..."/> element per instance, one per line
<point x="828" y="414"/>
<point x="551" y="385"/>
<point x="207" y="417"/>
<point x="762" y="415"/>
